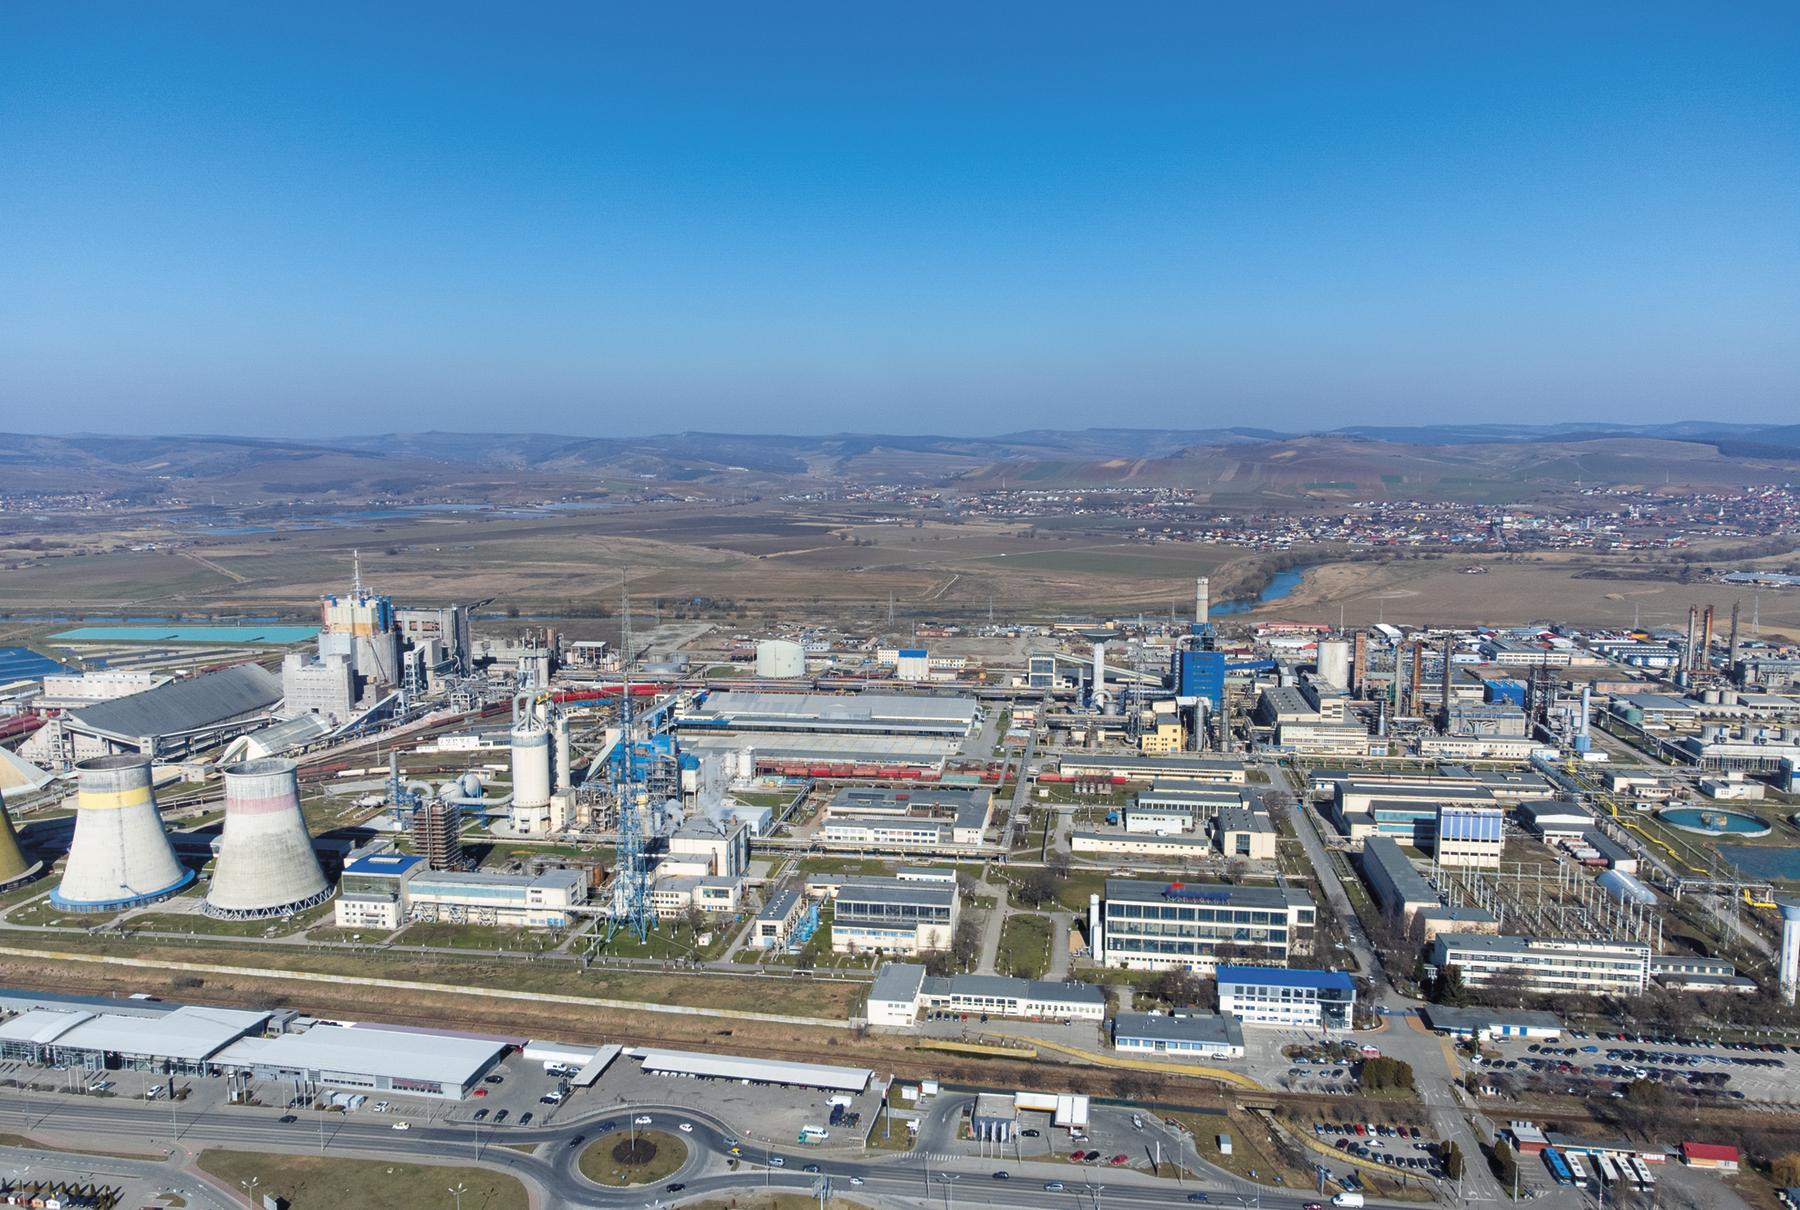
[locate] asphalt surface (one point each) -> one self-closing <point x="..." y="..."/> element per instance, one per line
<point x="939" y="1172"/>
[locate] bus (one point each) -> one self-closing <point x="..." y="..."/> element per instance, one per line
<point x="1646" y="1179"/>
<point x="1559" y="1171"/>
<point x="1609" y="1173"/>
<point x="1575" y="1168"/>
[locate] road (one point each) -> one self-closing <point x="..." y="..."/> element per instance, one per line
<point x="940" y="1169"/>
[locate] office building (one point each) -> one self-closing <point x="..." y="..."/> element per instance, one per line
<point x="1180" y="1035"/>
<point x="1547" y="964"/>
<point x="901" y="919"/>
<point x="1261" y="995"/>
<point x="1169" y="925"/>
<point x="902" y="990"/>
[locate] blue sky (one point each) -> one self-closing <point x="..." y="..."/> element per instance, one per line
<point x="321" y="219"/>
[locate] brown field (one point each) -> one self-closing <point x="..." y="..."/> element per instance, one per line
<point x="310" y="1182"/>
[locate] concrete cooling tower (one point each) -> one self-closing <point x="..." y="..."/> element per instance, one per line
<point x="266" y="864"/>
<point x="13" y="866"/>
<point x="121" y="857"/>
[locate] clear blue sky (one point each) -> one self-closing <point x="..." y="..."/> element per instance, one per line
<point x="317" y="219"/>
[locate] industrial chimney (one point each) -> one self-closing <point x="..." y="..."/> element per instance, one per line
<point x="1202" y="601"/>
<point x="120" y="857"/>
<point x="266" y="863"/>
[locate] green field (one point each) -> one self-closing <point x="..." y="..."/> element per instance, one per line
<point x="1025" y="944"/>
<point x="1106" y="562"/>
<point x="308" y="1182"/>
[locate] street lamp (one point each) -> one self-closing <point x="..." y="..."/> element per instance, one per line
<point x="458" y="1192"/>
<point x="250" y="1187"/>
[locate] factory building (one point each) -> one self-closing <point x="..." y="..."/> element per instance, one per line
<point x="101" y="685"/>
<point x="1469" y="835"/>
<point x="1405" y="896"/>
<point x="776" y="923"/>
<point x="673" y="898"/>
<point x="175" y="719"/>
<point x="1180" y="1035"/>
<point x="441" y="635"/>
<point x="1262" y="995"/>
<point x="1177" y="847"/>
<point x="909" y="918"/>
<point x="1241" y="832"/>
<point x="1157" y="770"/>
<point x="916" y="817"/>
<point x="707" y="848"/>
<point x="1183" y="801"/>
<point x="325" y="687"/>
<point x="866" y="734"/>
<point x="1548" y="964"/>
<point x="1408" y="813"/>
<point x="902" y="990"/>
<point x="1169" y="925"/>
<point x="1552" y="819"/>
<point x="385" y="890"/>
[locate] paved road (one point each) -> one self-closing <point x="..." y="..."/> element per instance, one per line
<point x="942" y="1169"/>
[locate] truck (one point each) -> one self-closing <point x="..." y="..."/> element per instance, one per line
<point x="1348" y="1199"/>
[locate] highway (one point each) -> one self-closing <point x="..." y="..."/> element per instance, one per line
<point x="924" y="1178"/>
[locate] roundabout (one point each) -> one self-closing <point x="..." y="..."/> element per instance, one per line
<point x="622" y="1159"/>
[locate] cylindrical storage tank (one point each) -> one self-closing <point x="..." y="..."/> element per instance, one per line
<point x="1710" y="697"/>
<point x="780" y="659"/>
<point x="266" y="863"/>
<point x="120" y="857"/>
<point x="1634" y="715"/>
<point x="531" y="775"/>
<point x="1334" y="663"/>
<point x="564" y="774"/>
<point x="1728" y="697"/>
<point x="746" y="763"/>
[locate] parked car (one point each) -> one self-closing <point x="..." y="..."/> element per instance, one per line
<point x="480" y="1114"/>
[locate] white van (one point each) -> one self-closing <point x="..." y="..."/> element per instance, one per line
<point x="1348" y="1199"/>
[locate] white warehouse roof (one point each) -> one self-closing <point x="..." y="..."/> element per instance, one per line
<point x="397" y="1055"/>
<point x="766" y="1071"/>
<point x="41" y="1026"/>
<point x="190" y="1032"/>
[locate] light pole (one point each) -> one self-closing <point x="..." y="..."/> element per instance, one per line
<point x="458" y="1192"/>
<point x="948" y="1180"/>
<point x="250" y="1187"/>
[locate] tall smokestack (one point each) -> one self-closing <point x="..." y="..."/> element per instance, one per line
<point x="1359" y="660"/>
<point x="1417" y="672"/>
<point x="1706" y="641"/>
<point x="1445" y="726"/>
<point x="1099" y="669"/>
<point x="1693" y="639"/>
<point x="1731" y="656"/>
<point x="1202" y="601"/>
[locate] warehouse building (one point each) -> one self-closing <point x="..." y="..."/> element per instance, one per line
<point x="752" y="1071"/>
<point x="174" y="719"/>
<point x="429" y="1063"/>
<point x="1171" y="925"/>
<point x="1484" y="1024"/>
<point x="1552" y="819"/>
<point x="1241" y="832"/>
<point x="1399" y="887"/>
<point x="1180" y="1035"/>
<point x="1177" y="847"/>
<point x="1264" y="995"/>
<point x="184" y="1041"/>
<point x="915" y="817"/>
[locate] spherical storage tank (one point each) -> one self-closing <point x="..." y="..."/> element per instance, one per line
<point x="266" y="864"/>
<point x="780" y="659"/>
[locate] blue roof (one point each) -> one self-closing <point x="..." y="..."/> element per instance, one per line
<point x="914" y="652"/>
<point x="1278" y="976"/>
<point x="383" y="863"/>
<point x="189" y="634"/>
<point x="20" y="663"/>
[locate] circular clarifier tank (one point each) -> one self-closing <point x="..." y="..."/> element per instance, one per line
<point x="1713" y="821"/>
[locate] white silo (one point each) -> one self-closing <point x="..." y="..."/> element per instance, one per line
<point x="120" y="857"/>
<point x="746" y="763"/>
<point x="266" y="863"/>
<point x="1790" y="947"/>
<point x="780" y="659"/>
<point x="530" y="766"/>
<point x="1334" y="663"/>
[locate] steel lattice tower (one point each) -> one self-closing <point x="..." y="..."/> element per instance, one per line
<point x="631" y="880"/>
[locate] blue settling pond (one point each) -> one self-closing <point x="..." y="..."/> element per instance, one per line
<point x="1712" y="819"/>
<point x="20" y="663"/>
<point x="189" y="634"/>
<point x="1764" y="862"/>
<point x="1284" y="583"/>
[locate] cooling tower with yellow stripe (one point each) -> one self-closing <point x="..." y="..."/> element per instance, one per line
<point x="121" y="857"/>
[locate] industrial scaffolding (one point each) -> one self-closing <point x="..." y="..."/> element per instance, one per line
<point x="1558" y="900"/>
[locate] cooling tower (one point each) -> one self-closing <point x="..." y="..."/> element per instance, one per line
<point x="121" y="857"/>
<point x="13" y="866"/>
<point x="266" y="864"/>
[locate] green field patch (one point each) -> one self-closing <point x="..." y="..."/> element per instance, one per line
<point x="310" y="1182"/>
<point x="1025" y="945"/>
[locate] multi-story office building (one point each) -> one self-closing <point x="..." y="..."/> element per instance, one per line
<point x="1260" y="995"/>
<point x="1170" y="925"/>
<point x="1548" y="964"/>
<point x="893" y="919"/>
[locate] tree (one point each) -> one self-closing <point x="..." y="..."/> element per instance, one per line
<point x="1504" y="1164"/>
<point x="1786" y="1171"/>
<point x="1178" y="987"/>
<point x="1450" y="990"/>
<point x="966" y="943"/>
<point x="696" y="919"/>
<point x="1039" y="885"/>
<point x="1237" y="871"/>
<point x="1060" y="864"/>
<point x="966" y="886"/>
<point x="1378" y="1074"/>
<point x="1452" y="1161"/>
<point x="1648" y="1094"/>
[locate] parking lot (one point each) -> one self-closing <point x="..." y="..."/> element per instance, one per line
<point x="1724" y="1071"/>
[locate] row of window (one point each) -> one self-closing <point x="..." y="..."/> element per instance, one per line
<point x="1149" y="945"/>
<point x="1579" y="964"/>
<point x="891" y="911"/>
<point x="1152" y="911"/>
<point x="1206" y="932"/>
<point x="1149" y="1044"/>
